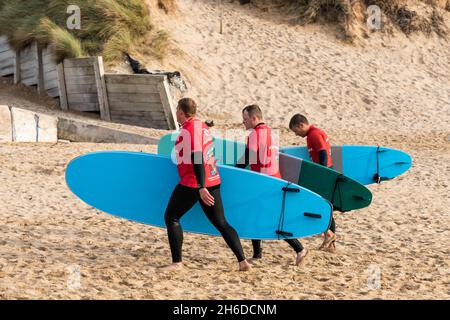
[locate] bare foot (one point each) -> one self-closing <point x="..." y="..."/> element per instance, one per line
<point x="301" y="257"/>
<point x="328" y="241"/>
<point x="244" y="266"/>
<point x="331" y="248"/>
<point x="172" y="267"/>
<point x="254" y="260"/>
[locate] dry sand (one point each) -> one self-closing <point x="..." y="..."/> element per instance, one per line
<point x="395" y="93"/>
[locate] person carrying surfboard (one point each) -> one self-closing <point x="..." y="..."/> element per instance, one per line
<point x="262" y="155"/>
<point x="199" y="182"/>
<point x="320" y="152"/>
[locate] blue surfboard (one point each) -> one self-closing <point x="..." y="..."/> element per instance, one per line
<point x="365" y="164"/>
<point x="344" y="193"/>
<point x="137" y="186"/>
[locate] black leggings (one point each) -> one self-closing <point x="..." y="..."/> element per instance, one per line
<point x="182" y="200"/>
<point x="257" y="247"/>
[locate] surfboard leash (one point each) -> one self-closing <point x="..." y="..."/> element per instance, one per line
<point x="377" y="178"/>
<point x="280" y="232"/>
<point x="339" y="178"/>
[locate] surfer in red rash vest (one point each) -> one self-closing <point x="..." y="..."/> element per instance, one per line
<point x="262" y="155"/>
<point x="320" y="152"/>
<point x="199" y="182"/>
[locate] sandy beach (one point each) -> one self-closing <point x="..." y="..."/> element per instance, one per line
<point x="393" y="92"/>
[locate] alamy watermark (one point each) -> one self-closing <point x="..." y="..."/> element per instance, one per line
<point x="231" y="151"/>
<point x="74" y="21"/>
<point x="373" y="277"/>
<point x="374" y="17"/>
<point x="74" y="278"/>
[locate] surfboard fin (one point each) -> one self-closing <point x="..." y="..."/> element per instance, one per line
<point x="378" y="179"/>
<point x="284" y="233"/>
<point x="360" y="198"/>
<point x="286" y="189"/>
<point x="313" y="215"/>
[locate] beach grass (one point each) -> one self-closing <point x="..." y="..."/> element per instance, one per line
<point x="108" y="27"/>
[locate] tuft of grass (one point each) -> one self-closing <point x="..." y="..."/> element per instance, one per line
<point x="349" y="15"/>
<point x="108" y="27"/>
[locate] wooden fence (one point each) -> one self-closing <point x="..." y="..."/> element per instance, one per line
<point x="82" y="85"/>
<point x="7" y="58"/>
<point x="141" y="100"/>
<point x="32" y="66"/>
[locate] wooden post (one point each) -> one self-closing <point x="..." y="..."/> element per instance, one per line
<point x="99" y="72"/>
<point x="221" y="15"/>
<point x="169" y="109"/>
<point x="17" y="76"/>
<point x="41" y="84"/>
<point x="63" y="103"/>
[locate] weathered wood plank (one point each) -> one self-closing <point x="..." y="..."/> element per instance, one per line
<point x="156" y="116"/>
<point x="49" y="67"/>
<point x="81" y="79"/>
<point x="81" y="88"/>
<point x="53" y="92"/>
<point x="127" y="97"/>
<point x="81" y="98"/>
<point x="168" y="106"/>
<point x="80" y="62"/>
<point x="85" y="106"/>
<point x="64" y="104"/>
<point x="142" y="119"/>
<point x="27" y="74"/>
<point x="80" y="71"/>
<point x="30" y="81"/>
<point x="7" y="71"/>
<point x="101" y="89"/>
<point x="28" y="65"/>
<point x="28" y="56"/>
<point x="50" y="76"/>
<point x="48" y="60"/>
<point x="7" y="55"/>
<point x="7" y="62"/>
<point x="136" y="106"/>
<point x="131" y="88"/>
<point x="132" y="79"/>
<point x="17" y="75"/>
<point x="3" y="39"/>
<point x="48" y="55"/>
<point x="41" y="85"/>
<point x="51" y="84"/>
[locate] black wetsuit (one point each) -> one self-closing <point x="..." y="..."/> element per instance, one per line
<point x="183" y="199"/>
<point x="257" y="244"/>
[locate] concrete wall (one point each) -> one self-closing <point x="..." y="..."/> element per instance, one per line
<point x="73" y="130"/>
<point x="5" y="124"/>
<point x="20" y="125"/>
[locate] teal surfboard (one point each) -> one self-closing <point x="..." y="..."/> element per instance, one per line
<point x="137" y="186"/>
<point x="365" y="164"/>
<point x="343" y="192"/>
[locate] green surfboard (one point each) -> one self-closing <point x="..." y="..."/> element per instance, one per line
<point x="343" y="192"/>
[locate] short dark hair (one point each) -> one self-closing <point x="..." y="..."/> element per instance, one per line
<point x="188" y="106"/>
<point x="253" y="110"/>
<point x="296" y="120"/>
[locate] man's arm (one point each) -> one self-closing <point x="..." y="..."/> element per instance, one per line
<point x="318" y="144"/>
<point x="323" y="158"/>
<point x="244" y="161"/>
<point x="199" y="168"/>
